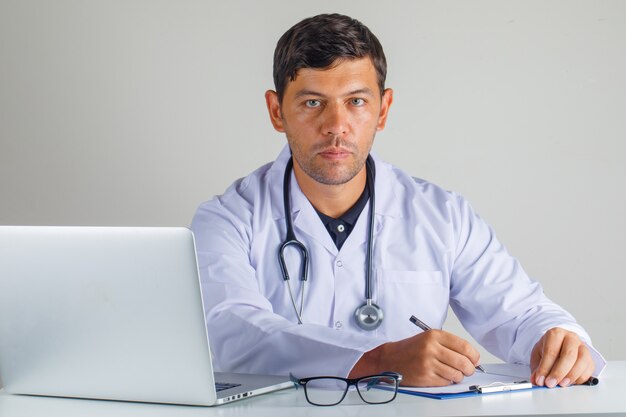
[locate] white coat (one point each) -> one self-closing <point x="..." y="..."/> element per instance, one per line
<point x="431" y="250"/>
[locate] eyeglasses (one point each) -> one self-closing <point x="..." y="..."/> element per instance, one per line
<point x="334" y="389"/>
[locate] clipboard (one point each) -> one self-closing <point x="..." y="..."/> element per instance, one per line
<point x="501" y="387"/>
<point x="498" y="378"/>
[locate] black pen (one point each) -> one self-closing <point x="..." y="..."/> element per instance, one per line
<point x="593" y="381"/>
<point x="426" y="327"/>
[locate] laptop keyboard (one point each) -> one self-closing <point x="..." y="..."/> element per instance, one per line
<point x="221" y="386"/>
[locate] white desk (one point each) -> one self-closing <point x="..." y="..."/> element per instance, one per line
<point x="609" y="397"/>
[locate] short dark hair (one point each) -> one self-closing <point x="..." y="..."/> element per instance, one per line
<point x="319" y="41"/>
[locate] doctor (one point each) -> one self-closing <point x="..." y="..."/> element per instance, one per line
<point x="376" y="245"/>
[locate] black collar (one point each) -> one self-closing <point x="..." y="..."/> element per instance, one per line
<point x="340" y="228"/>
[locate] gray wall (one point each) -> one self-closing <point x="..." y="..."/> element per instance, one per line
<point x="133" y="112"/>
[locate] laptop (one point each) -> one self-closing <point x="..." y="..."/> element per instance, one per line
<point x="109" y="313"/>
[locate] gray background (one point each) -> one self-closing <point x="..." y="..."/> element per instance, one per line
<point x="133" y="112"/>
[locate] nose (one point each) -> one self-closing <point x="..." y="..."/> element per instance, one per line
<point x="335" y="121"/>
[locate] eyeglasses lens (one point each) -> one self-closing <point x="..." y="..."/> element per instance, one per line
<point x="325" y="391"/>
<point x="377" y="389"/>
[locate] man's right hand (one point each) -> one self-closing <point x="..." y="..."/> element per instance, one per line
<point x="430" y="359"/>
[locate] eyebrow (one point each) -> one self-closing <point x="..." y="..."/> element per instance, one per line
<point x="364" y="90"/>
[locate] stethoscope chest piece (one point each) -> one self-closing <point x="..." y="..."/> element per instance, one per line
<point x="369" y="316"/>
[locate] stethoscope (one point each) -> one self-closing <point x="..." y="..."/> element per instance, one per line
<point x="368" y="315"/>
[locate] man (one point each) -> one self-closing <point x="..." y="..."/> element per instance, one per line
<point x="428" y="248"/>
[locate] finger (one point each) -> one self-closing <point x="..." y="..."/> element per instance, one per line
<point x="463" y="348"/>
<point x="579" y="369"/>
<point x="566" y="360"/>
<point x="449" y="373"/>
<point x="444" y="347"/>
<point x="457" y="361"/>
<point x="432" y="381"/>
<point x="437" y="374"/>
<point x="535" y="359"/>
<point x="584" y="377"/>
<point x="548" y="350"/>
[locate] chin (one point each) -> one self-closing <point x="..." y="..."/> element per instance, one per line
<point x="335" y="178"/>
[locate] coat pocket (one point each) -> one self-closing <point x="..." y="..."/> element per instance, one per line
<point x="424" y="294"/>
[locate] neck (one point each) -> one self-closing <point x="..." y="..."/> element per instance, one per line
<point x="332" y="200"/>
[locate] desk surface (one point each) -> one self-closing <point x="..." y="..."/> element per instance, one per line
<point x="609" y="397"/>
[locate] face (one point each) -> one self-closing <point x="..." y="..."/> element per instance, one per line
<point x="330" y="118"/>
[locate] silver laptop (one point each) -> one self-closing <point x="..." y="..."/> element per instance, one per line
<point x="109" y="313"/>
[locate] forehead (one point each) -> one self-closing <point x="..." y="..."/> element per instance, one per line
<point x="342" y="76"/>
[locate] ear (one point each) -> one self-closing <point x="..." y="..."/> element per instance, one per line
<point x="273" y="107"/>
<point x="386" y="101"/>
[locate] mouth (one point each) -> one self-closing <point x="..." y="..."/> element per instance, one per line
<point x="335" y="153"/>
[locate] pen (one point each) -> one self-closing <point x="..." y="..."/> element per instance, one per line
<point x="426" y="327"/>
<point x="592" y="381"/>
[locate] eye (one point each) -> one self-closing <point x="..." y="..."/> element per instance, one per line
<point x="312" y="103"/>
<point x="357" y="102"/>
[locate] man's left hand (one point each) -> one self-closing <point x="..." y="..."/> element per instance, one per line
<point x="560" y="357"/>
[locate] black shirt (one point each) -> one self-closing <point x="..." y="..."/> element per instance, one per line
<point x="339" y="229"/>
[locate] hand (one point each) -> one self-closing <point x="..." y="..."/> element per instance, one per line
<point x="429" y="359"/>
<point x="560" y="357"/>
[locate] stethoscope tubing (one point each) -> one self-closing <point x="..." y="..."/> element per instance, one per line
<point x="291" y="240"/>
<point x="370" y="238"/>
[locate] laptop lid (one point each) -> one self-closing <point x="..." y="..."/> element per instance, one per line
<point x="106" y="313"/>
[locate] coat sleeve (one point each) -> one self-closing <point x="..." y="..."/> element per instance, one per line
<point x="245" y="334"/>
<point x="499" y="305"/>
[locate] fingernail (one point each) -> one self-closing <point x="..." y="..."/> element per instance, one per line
<point x="565" y="382"/>
<point x="550" y="382"/>
<point x="540" y="380"/>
